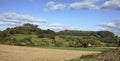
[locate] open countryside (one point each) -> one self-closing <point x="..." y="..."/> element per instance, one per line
<point x="59" y="30"/>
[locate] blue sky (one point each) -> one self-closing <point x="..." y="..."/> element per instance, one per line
<point x="62" y="14"/>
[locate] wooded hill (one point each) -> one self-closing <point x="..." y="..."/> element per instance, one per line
<point x="31" y="35"/>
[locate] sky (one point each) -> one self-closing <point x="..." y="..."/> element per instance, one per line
<point x="57" y="15"/>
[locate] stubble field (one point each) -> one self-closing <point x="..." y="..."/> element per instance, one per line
<point x="16" y="53"/>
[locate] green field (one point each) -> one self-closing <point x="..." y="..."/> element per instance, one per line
<point x="72" y="48"/>
<point x="21" y="36"/>
<point x="35" y="38"/>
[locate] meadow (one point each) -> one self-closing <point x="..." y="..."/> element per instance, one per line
<point x="72" y="48"/>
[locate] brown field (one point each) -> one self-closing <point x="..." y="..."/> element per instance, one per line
<point x="17" y="53"/>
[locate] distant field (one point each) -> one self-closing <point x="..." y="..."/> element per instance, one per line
<point x="16" y="53"/>
<point x="73" y="48"/>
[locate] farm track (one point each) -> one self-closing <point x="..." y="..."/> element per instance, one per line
<point x="17" y="53"/>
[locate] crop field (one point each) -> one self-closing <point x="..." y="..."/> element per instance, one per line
<point x="17" y="53"/>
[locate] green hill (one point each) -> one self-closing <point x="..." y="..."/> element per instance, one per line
<point x="31" y="35"/>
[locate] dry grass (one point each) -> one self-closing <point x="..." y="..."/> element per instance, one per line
<point x="16" y="53"/>
<point x="107" y="55"/>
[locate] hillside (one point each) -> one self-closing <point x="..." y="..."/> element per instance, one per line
<point x="16" y="53"/>
<point x="31" y="35"/>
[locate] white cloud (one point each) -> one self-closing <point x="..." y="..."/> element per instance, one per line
<point x="112" y="26"/>
<point x="55" y="6"/>
<point x="51" y="3"/>
<point x="59" y="27"/>
<point x="18" y="19"/>
<point x="56" y="25"/>
<point x="92" y="1"/>
<point x="86" y="4"/>
<point x="9" y="24"/>
<point x="111" y="4"/>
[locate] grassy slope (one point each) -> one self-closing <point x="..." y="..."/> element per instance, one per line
<point x="35" y="38"/>
<point x="21" y="36"/>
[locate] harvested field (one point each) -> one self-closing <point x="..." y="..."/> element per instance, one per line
<point x="17" y="53"/>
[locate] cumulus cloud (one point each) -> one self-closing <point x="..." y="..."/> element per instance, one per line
<point x="8" y="24"/>
<point x="85" y="4"/>
<point x="92" y="1"/>
<point x="112" y="26"/>
<point x="59" y="27"/>
<point x="18" y="19"/>
<point x="55" y="6"/>
<point x="51" y="3"/>
<point x="55" y="25"/>
<point x="111" y="4"/>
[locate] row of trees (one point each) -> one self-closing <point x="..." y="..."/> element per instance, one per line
<point x="104" y="36"/>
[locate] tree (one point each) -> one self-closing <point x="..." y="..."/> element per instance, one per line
<point x="41" y="36"/>
<point x="3" y="34"/>
<point x="105" y="34"/>
<point x="119" y="42"/>
<point x="85" y="45"/>
<point x="107" y="37"/>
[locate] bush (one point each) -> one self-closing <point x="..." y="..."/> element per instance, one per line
<point x="22" y="44"/>
<point x="25" y="42"/>
<point x="71" y="44"/>
<point x="44" y="42"/>
<point x="41" y="36"/>
<point x="61" y="43"/>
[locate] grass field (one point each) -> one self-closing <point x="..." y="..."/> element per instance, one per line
<point x="73" y="48"/>
<point x="16" y="53"/>
<point x="21" y="36"/>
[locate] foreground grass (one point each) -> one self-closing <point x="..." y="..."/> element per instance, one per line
<point x="107" y="55"/>
<point x="72" y="48"/>
<point x="18" y="53"/>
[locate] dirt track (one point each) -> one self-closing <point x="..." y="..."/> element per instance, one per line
<point x="16" y="53"/>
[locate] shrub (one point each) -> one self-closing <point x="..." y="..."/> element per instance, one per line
<point x="41" y="36"/>
<point x="42" y="43"/>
